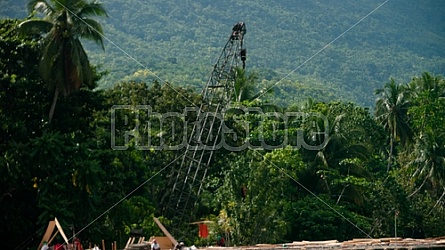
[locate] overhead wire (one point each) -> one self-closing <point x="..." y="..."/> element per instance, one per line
<point x="127" y="54"/>
<point x="130" y="193"/>
<point x="265" y="90"/>
<point x="26" y="242"/>
<point x="313" y="194"/>
<point x="258" y="96"/>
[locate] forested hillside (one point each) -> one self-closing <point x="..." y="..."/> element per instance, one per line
<point x="179" y="43"/>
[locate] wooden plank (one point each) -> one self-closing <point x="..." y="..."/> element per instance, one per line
<point x="164" y="230"/>
<point x="391" y="239"/>
<point x="59" y="227"/>
<point x="322" y="242"/>
<point x="164" y="242"/>
<point x="202" y="222"/>
<point x="54" y="236"/>
<point x="362" y="240"/>
<point x="47" y="235"/>
<point x="296" y="243"/>
<point x="128" y="242"/>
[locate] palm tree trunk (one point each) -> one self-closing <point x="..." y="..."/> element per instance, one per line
<point x="53" y="105"/>
<point x="391" y="146"/>
<point x="240" y="94"/>
<point x="341" y="194"/>
<point x="438" y="201"/>
<point x="418" y="189"/>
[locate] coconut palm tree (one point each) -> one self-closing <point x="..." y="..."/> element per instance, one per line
<point x="64" y="65"/>
<point x="429" y="93"/>
<point x="392" y="112"/>
<point x="244" y="85"/>
<point x="428" y="164"/>
<point x="427" y="159"/>
<point x="340" y="163"/>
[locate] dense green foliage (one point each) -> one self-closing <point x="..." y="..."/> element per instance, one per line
<point x="344" y="172"/>
<point x="177" y="41"/>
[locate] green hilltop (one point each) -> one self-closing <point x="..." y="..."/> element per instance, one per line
<point x="305" y="48"/>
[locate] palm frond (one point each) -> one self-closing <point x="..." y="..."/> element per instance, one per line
<point x="34" y="27"/>
<point x="91" y="10"/>
<point x="81" y="62"/>
<point x="50" y="64"/>
<point x="244" y="86"/>
<point x="356" y="150"/>
<point x="65" y="4"/>
<point x="40" y="6"/>
<point x="429" y="161"/>
<point x="91" y="30"/>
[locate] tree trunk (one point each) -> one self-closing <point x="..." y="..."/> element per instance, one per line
<point x="53" y="105"/>
<point x="341" y="194"/>
<point x="391" y="142"/>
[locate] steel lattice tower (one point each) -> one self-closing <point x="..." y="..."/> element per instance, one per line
<point x="188" y="175"/>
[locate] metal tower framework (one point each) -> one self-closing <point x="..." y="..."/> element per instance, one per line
<point x="188" y="176"/>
